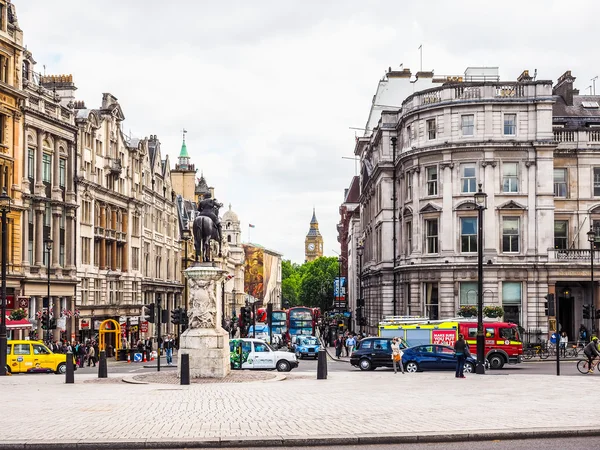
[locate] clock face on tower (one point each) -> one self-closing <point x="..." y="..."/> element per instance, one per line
<point x="311" y="246"/>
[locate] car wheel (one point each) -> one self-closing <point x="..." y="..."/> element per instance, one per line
<point x="283" y="366"/>
<point x="365" y="364"/>
<point x="298" y="355"/>
<point x="469" y="368"/>
<point x="411" y="367"/>
<point x="61" y="369"/>
<point x="496" y="361"/>
<point x="8" y="369"/>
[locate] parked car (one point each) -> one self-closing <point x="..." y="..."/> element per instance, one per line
<point x="433" y="357"/>
<point x="374" y="352"/>
<point x="34" y="357"/>
<point x="250" y="353"/>
<point x="307" y="346"/>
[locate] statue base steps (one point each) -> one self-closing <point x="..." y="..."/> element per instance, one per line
<point x="209" y="352"/>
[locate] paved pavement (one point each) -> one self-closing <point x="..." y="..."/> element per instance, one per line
<point x="348" y="407"/>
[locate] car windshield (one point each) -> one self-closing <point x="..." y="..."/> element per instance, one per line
<point x="311" y="340"/>
<point x="509" y="333"/>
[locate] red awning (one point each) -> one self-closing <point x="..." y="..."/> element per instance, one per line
<point x="17" y="324"/>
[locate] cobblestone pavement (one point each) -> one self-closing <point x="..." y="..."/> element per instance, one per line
<point x="363" y="402"/>
<point x="241" y="376"/>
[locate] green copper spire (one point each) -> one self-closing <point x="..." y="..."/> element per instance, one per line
<point x="184" y="153"/>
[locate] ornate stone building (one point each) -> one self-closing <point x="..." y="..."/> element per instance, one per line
<point x="433" y="153"/>
<point x="313" y="243"/>
<point x="11" y="142"/>
<point x="49" y="199"/>
<point x="129" y="245"/>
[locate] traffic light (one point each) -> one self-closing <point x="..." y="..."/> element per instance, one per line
<point x="586" y="311"/>
<point x="52" y="324"/>
<point x="362" y="321"/>
<point x="183" y="318"/>
<point x="549" y="306"/>
<point x="176" y="316"/>
<point x="246" y="315"/>
<point x="150" y="312"/>
<point x="361" y="302"/>
<point x="45" y="322"/>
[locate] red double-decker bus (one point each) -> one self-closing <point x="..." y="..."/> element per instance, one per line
<point x="301" y="321"/>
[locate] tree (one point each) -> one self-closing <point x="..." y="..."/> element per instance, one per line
<point x="309" y="284"/>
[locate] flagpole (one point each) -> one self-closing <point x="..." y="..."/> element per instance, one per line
<point x="249" y="227"/>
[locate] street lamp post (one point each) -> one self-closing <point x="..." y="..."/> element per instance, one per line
<point x="48" y="242"/>
<point x="592" y="239"/>
<point x="185" y="235"/>
<point x="481" y="203"/>
<point x="4" y="208"/>
<point x="360" y="303"/>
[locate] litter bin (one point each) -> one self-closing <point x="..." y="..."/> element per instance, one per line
<point x="122" y="355"/>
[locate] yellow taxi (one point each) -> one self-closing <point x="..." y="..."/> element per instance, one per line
<point x="33" y="356"/>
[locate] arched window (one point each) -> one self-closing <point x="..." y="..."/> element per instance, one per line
<point x="229" y="238"/>
<point x="157" y="267"/>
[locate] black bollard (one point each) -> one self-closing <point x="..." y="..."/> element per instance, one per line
<point x="102" y="369"/>
<point x="70" y="373"/>
<point x="185" y="368"/>
<point x="322" y="365"/>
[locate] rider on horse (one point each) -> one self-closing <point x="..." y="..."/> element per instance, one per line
<point x="210" y="208"/>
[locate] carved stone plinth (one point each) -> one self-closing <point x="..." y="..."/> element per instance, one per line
<point x="205" y="341"/>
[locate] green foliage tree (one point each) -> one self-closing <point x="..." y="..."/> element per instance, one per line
<point x="309" y="284"/>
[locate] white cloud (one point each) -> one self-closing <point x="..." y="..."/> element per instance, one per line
<point x="268" y="90"/>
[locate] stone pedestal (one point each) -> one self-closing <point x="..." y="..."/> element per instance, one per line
<point x="205" y="340"/>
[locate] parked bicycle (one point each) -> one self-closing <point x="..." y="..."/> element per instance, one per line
<point x="537" y="350"/>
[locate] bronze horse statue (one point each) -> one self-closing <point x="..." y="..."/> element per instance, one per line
<point x="204" y="230"/>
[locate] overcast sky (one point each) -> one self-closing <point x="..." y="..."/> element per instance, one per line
<point x="268" y="90"/>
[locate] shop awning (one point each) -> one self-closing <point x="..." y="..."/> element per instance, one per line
<point x="17" y="324"/>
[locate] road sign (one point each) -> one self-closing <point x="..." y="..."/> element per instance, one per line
<point x="144" y="327"/>
<point x="137" y="357"/>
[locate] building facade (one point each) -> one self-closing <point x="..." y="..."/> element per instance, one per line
<point x="435" y="153"/>
<point x="313" y="243"/>
<point x="49" y="200"/>
<point x="12" y="100"/>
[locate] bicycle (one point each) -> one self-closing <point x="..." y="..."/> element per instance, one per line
<point x="583" y="365"/>
<point x="536" y="350"/>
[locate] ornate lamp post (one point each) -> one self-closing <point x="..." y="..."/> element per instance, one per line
<point x="185" y="236"/>
<point x="48" y="242"/>
<point x="4" y="209"/>
<point x="360" y="303"/>
<point x="481" y="204"/>
<point x="592" y="239"/>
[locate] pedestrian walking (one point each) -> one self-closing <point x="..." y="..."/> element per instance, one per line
<point x="339" y="344"/>
<point x="462" y="351"/>
<point x="397" y="354"/>
<point x="350" y="344"/>
<point x="91" y="355"/>
<point x="168" y="345"/>
<point x="564" y="340"/>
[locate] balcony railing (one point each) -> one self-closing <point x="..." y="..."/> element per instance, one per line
<point x="99" y="231"/>
<point x="110" y="234"/>
<point x="578" y="138"/>
<point x="508" y="90"/>
<point x="583" y="255"/>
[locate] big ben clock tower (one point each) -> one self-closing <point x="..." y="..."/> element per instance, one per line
<point x="313" y="243"/>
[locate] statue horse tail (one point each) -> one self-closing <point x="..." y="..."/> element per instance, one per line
<point x="203" y="230"/>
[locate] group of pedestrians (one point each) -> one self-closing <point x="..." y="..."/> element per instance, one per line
<point x="346" y="342"/>
<point x="82" y="351"/>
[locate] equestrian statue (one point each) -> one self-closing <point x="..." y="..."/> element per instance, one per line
<point x="207" y="226"/>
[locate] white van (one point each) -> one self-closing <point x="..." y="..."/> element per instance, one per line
<point x="248" y="353"/>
